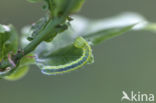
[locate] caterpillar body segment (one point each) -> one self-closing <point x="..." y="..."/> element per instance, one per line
<point x="84" y="59"/>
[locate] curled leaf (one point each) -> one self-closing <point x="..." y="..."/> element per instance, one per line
<point x="72" y="57"/>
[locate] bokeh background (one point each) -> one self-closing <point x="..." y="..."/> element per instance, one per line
<point x="125" y="63"/>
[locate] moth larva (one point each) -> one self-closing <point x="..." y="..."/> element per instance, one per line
<point x="80" y="42"/>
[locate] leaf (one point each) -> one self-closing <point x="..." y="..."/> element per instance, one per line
<point x="97" y="31"/>
<point x="8" y="40"/>
<point x="27" y="60"/>
<point x="61" y="51"/>
<point x="67" y="6"/>
<point x="62" y="6"/>
<point x="37" y="27"/>
<point x="25" y="33"/>
<point x="69" y="54"/>
<point x="58" y="52"/>
<point x="150" y="27"/>
<point x="8" y="45"/>
<point x="21" y="70"/>
<point x="102" y="35"/>
<point x="18" y="74"/>
<point x="12" y="47"/>
<point x="72" y="57"/>
<point x="4" y="28"/>
<point x="122" y="20"/>
<point x="81" y="26"/>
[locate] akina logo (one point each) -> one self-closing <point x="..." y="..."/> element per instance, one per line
<point x="137" y="97"/>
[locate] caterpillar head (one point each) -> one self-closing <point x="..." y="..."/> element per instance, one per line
<point x="80" y="42"/>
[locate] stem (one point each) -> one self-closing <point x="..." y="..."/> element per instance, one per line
<point x="52" y="7"/>
<point x="54" y="25"/>
<point x="49" y="29"/>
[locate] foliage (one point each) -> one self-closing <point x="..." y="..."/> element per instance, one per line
<point x="50" y="42"/>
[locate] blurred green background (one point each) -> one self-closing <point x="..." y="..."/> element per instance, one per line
<point x="125" y="63"/>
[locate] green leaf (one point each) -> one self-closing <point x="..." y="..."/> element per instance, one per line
<point x="3" y="28"/>
<point x="58" y="7"/>
<point x="63" y="40"/>
<point x="8" y="40"/>
<point x="22" y="69"/>
<point x="64" y="56"/>
<point x="67" y="6"/>
<point x="97" y="31"/>
<point x="98" y="37"/>
<point x="61" y="51"/>
<point x="27" y="60"/>
<point x="25" y="33"/>
<point x="69" y="54"/>
<point x="18" y="74"/>
<point x="8" y="45"/>
<point x="51" y="53"/>
<point x="37" y="27"/>
<point x="150" y="27"/>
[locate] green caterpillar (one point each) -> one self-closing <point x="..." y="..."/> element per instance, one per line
<point x="85" y="58"/>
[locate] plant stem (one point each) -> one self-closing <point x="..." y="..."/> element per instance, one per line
<point x="49" y="29"/>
